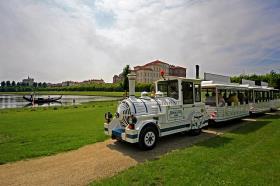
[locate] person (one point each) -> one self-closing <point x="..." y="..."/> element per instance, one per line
<point x="221" y="100"/>
<point x="233" y="99"/>
<point x="241" y="98"/>
<point x="211" y="100"/>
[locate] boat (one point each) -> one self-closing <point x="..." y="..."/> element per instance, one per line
<point x="41" y="100"/>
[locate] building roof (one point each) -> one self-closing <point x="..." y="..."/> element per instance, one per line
<point x="176" y="67"/>
<point x="156" y="62"/>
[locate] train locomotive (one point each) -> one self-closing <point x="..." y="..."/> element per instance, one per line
<point x="176" y="107"/>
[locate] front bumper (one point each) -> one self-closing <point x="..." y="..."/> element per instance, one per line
<point x="127" y="135"/>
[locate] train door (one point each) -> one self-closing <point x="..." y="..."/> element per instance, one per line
<point x="192" y="103"/>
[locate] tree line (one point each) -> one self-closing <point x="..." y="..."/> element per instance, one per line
<point x="272" y="78"/>
<point x="108" y="87"/>
<point x="12" y="86"/>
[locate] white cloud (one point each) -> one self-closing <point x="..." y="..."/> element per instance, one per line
<point x="60" y="40"/>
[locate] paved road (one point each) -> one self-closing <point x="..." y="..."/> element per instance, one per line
<point x="96" y="161"/>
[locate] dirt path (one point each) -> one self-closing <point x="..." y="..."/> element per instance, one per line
<point x="92" y="162"/>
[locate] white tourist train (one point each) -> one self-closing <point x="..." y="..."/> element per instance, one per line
<point x="182" y="104"/>
<point x="226" y="101"/>
<point x="176" y="107"/>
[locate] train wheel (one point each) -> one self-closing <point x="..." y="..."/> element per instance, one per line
<point x="195" y="132"/>
<point x="148" y="138"/>
<point x="195" y="127"/>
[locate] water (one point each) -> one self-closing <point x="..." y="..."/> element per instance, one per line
<point x="16" y="101"/>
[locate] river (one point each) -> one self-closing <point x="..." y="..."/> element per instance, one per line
<point x="16" y="101"/>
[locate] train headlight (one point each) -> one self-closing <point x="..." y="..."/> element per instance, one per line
<point x="108" y="116"/>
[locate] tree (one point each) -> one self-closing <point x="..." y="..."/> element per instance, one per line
<point x="18" y="84"/>
<point x="13" y="83"/>
<point x="35" y="84"/>
<point x="8" y="83"/>
<point x="125" y="72"/>
<point x="272" y="78"/>
<point x="45" y="84"/>
<point x="39" y="84"/>
<point x="3" y="84"/>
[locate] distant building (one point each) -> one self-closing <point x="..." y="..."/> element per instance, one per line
<point x="177" y="71"/>
<point x="150" y="72"/>
<point x="98" y="81"/>
<point x="29" y="81"/>
<point x="68" y="83"/>
<point x="117" y="78"/>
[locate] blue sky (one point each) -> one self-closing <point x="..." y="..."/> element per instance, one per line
<point x="56" y="40"/>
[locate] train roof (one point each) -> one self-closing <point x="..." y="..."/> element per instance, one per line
<point x="169" y="78"/>
<point x="213" y="84"/>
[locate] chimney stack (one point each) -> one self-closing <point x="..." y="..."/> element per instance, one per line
<point x="197" y="71"/>
<point x="131" y="79"/>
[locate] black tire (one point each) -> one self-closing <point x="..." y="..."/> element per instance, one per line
<point x="195" y="132"/>
<point x="148" y="138"/>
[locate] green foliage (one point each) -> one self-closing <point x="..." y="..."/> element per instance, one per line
<point x="3" y="83"/>
<point x="27" y="133"/>
<point x="124" y="74"/>
<point x="106" y="87"/>
<point x="249" y="155"/>
<point x="8" y="83"/>
<point x="273" y="79"/>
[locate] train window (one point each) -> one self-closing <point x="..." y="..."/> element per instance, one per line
<point x="169" y="88"/>
<point x="258" y="96"/>
<point x="209" y="96"/>
<point x="187" y="92"/>
<point x="250" y="96"/>
<point x="197" y="92"/>
<point x="267" y="96"/>
<point x="222" y="94"/>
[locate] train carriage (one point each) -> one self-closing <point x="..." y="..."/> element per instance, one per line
<point x="274" y="97"/>
<point x="177" y="107"/>
<point x="224" y="100"/>
<point x="259" y="96"/>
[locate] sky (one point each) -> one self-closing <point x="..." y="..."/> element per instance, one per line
<point x="60" y="40"/>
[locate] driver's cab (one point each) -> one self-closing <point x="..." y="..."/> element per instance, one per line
<point x="188" y="111"/>
<point x="185" y="91"/>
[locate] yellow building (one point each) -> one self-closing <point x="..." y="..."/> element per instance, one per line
<point x="150" y="72"/>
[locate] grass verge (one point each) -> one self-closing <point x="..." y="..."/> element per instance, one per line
<point x="33" y="132"/>
<point x="249" y="155"/>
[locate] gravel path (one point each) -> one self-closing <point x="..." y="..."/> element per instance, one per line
<point x="92" y="162"/>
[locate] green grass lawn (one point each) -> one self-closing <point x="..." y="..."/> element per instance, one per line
<point x="26" y="133"/>
<point x="83" y="93"/>
<point x="249" y="155"/>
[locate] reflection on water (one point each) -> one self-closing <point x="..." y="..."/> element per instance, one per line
<point x="16" y="101"/>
